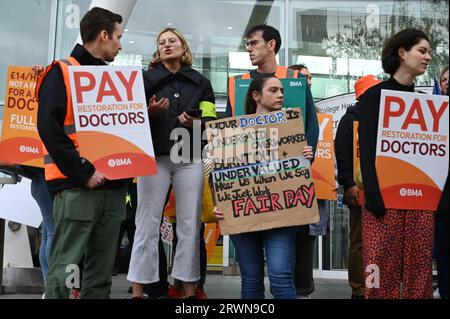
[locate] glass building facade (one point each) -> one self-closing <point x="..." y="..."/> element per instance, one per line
<point x="339" y="41"/>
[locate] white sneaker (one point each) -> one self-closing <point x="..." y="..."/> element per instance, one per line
<point x="303" y="296"/>
<point x="43" y="296"/>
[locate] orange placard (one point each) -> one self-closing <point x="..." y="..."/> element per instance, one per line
<point x="323" y="166"/>
<point x="20" y="142"/>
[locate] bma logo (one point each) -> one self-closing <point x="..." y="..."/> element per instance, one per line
<point x="295" y="83"/>
<point x="119" y="162"/>
<point x="28" y="149"/>
<point x="409" y="192"/>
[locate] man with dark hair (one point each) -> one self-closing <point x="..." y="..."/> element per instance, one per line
<point x="268" y="33"/>
<point x="263" y="44"/>
<point x="88" y="208"/>
<point x="96" y="21"/>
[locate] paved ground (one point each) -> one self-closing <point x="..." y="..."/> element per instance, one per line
<point x="221" y="287"/>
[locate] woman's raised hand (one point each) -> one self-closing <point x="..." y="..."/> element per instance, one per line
<point x="157" y="106"/>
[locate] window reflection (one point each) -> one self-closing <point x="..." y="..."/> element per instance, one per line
<point x="24" y="34"/>
<point x="351" y="34"/>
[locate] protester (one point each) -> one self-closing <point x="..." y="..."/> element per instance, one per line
<point x="277" y="245"/>
<point x="88" y="208"/>
<point x="263" y="44"/>
<point x="344" y="158"/>
<point x="397" y="243"/>
<point x="175" y="90"/>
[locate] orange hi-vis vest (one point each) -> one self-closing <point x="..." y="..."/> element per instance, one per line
<point x="52" y="171"/>
<point x="282" y="72"/>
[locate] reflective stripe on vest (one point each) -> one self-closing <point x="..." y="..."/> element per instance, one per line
<point x="51" y="170"/>
<point x="282" y="72"/>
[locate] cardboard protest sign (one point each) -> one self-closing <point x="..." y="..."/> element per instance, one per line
<point x="111" y="120"/>
<point x="412" y="149"/>
<point x="294" y="94"/>
<point x="20" y="143"/>
<point x="323" y="166"/>
<point x="260" y="178"/>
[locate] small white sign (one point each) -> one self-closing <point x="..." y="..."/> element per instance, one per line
<point x="336" y="106"/>
<point x="17" y="204"/>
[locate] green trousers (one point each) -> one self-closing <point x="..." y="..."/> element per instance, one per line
<point x="87" y="226"/>
<point x="355" y="255"/>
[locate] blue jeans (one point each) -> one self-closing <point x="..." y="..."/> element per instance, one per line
<point x="279" y="247"/>
<point x="43" y="198"/>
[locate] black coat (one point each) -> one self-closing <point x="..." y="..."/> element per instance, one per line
<point x="343" y="145"/>
<point x="185" y="90"/>
<point x="368" y="128"/>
